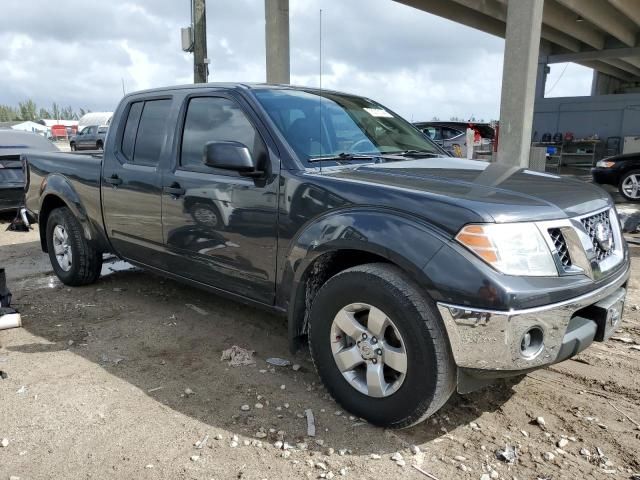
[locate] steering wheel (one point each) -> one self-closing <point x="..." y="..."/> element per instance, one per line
<point x="363" y="141"/>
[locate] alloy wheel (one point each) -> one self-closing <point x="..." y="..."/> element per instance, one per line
<point x="368" y="350"/>
<point x="62" y="248"/>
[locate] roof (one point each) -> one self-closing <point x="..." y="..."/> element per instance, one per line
<point x="232" y="86"/>
<point x="95" y="118"/>
<point x="600" y="34"/>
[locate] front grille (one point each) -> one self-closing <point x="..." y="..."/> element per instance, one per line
<point x="589" y="224"/>
<point x="561" y="246"/>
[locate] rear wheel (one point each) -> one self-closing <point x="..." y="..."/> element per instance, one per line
<point x="379" y="346"/>
<point x="73" y="259"/>
<point x="629" y="185"/>
<point x="73" y="146"/>
<point x="99" y="145"/>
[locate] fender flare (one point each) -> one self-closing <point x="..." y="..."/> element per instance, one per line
<point x="378" y="234"/>
<point x="58" y="190"/>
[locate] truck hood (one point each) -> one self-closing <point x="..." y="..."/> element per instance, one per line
<point x="496" y="192"/>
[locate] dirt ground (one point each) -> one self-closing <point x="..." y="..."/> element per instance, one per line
<point x="120" y="380"/>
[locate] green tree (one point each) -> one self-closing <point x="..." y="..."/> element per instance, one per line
<point x="27" y="110"/>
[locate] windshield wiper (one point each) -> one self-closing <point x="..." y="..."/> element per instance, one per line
<point x="342" y="157"/>
<point x="414" y="153"/>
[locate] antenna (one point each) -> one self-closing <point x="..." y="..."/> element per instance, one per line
<point x="123" y="91"/>
<point x="320" y="82"/>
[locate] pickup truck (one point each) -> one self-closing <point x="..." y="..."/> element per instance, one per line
<point x="89" y="138"/>
<point x="409" y="273"/>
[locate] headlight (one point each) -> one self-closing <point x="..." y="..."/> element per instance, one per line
<point x="605" y="164"/>
<point x="511" y="248"/>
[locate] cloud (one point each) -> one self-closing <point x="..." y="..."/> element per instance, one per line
<point x="80" y="53"/>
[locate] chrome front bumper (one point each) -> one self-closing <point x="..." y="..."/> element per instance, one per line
<point x="491" y="340"/>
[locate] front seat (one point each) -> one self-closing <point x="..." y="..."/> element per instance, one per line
<point x="304" y="136"/>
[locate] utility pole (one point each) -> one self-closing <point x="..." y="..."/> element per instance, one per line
<point x="200" y="61"/>
<point x="277" y="40"/>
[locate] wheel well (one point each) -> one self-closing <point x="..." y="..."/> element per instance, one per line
<point x="317" y="273"/>
<point x="50" y="203"/>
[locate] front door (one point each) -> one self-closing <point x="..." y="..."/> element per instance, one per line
<point x="132" y="183"/>
<point x="220" y="227"/>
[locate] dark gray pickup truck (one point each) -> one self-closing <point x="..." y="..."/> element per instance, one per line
<point x="410" y="273"/>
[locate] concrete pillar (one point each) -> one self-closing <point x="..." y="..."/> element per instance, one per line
<point x="277" y="40"/>
<point x="603" y="84"/>
<point x="522" y="44"/>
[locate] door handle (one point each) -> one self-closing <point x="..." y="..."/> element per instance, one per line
<point x="113" y="180"/>
<point x="175" y="190"/>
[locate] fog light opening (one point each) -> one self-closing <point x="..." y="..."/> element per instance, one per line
<point x="532" y="343"/>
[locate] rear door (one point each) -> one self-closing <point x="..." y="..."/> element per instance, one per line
<point x="220" y="227"/>
<point x="132" y="181"/>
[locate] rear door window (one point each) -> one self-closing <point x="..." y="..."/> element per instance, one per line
<point x="151" y="132"/>
<point x="131" y="129"/>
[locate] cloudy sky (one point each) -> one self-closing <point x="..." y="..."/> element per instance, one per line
<point x="79" y="53"/>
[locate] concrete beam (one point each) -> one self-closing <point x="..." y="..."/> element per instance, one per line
<point x="622" y="65"/>
<point x="498" y="9"/>
<point x="603" y="16"/>
<point x="629" y="8"/>
<point x="524" y="24"/>
<point x="635" y="61"/>
<point x="564" y="20"/>
<point x="594" y="55"/>
<point x="609" y="70"/>
<point x="459" y="13"/>
<point x="276" y="14"/>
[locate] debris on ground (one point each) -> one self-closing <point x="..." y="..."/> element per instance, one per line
<point x="4" y="443"/>
<point x="622" y="339"/>
<point x="201" y="443"/>
<point x="278" y="362"/>
<point x="196" y="309"/>
<point x="3" y="375"/>
<point x="238" y="356"/>
<point x="311" y="425"/>
<point x="507" y="455"/>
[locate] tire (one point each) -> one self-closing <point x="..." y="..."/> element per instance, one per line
<point x="73" y="147"/>
<point x="99" y="145"/>
<point x="628" y="178"/>
<point x="84" y="262"/>
<point x="430" y="375"/>
<point x="206" y="215"/>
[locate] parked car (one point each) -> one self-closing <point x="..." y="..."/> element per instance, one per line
<point x="622" y="171"/>
<point x="410" y="274"/>
<point x="13" y="143"/>
<point x="452" y="135"/>
<point x="89" y="138"/>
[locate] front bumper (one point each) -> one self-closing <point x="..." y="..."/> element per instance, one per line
<point x="605" y="176"/>
<point x="486" y="340"/>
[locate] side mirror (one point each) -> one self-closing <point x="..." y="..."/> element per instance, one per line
<point x="230" y="156"/>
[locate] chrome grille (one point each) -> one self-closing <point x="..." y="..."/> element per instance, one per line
<point x="589" y="224"/>
<point x="561" y="246"/>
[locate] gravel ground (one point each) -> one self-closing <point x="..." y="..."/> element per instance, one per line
<point x="121" y="379"/>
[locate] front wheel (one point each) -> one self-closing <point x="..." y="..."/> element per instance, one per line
<point x="380" y="347"/>
<point x="629" y="186"/>
<point x="73" y="259"/>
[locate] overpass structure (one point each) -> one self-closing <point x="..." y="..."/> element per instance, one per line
<point x="601" y="34"/>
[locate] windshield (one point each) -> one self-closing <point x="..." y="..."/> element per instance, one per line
<point x="330" y="124"/>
